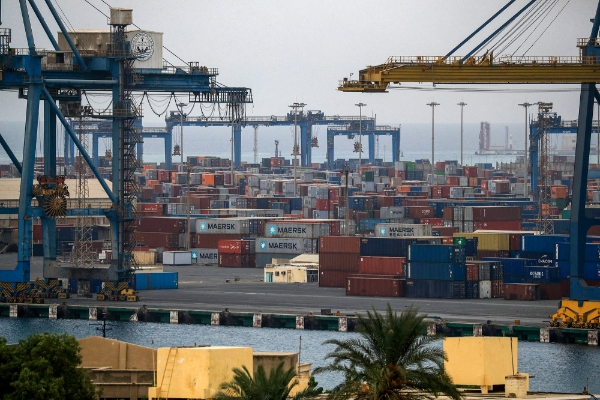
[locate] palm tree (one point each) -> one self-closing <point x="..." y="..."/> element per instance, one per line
<point x="276" y="386"/>
<point x="392" y="359"/>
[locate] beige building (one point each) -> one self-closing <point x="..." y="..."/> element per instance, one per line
<point x="301" y="269"/>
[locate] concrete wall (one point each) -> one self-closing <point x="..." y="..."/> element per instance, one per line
<point x="481" y="361"/>
<point x="272" y="359"/>
<point x="98" y="352"/>
<point x="122" y="384"/>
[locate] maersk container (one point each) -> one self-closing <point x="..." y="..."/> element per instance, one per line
<point x="542" y="243"/>
<point x="156" y="280"/>
<point x="205" y="256"/>
<point x="436" y="271"/>
<point x="296" y="230"/>
<point x="592" y="252"/>
<point x="392" y="230"/>
<point x="439" y="253"/>
<point x="286" y="245"/>
<point x="177" y="258"/>
<point x="223" y="225"/>
<point x="256" y="213"/>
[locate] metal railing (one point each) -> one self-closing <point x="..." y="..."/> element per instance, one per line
<point x="582" y="42"/>
<point x="192" y="68"/>
<point x="487" y="60"/>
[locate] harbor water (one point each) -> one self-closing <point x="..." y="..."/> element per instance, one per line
<point x="557" y="367"/>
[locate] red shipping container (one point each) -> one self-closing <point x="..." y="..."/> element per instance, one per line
<point x="333" y="279"/>
<point x="334" y="194"/>
<point x="162" y="224"/>
<point x="452" y="181"/>
<point x="437" y="192"/>
<point x="446" y="192"/>
<point x="234" y="247"/>
<point x="432" y="221"/>
<point x="237" y="260"/>
<point x="471" y="172"/>
<point x="484" y="185"/>
<point x="497" y="213"/>
<point x="211" y="240"/>
<point x="385" y="201"/>
<point x="382" y="265"/>
<point x="419" y="211"/>
<point x="375" y="286"/>
<point x="153" y="207"/>
<point x="521" y="291"/>
<point x="400" y="174"/>
<point x="158" y="239"/>
<point x="472" y="272"/>
<point x="497" y="225"/>
<point x="550" y="291"/>
<point x="322" y="205"/>
<point x="444" y="230"/>
<point x="339" y="262"/>
<point x="497" y="289"/>
<point x="339" y="244"/>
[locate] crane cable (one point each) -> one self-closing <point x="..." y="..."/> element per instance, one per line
<point x="64" y="15"/>
<point x="551" y="22"/>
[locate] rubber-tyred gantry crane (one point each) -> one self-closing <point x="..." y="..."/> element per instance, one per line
<point x="583" y="310"/>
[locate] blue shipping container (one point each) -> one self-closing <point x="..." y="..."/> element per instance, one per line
<point x="439" y="253"/>
<point x="542" y="243"/>
<point x="156" y="281"/>
<point x="542" y="274"/>
<point x="513" y="266"/>
<point x="436" y="271"/>
<point x="592" y="252"/>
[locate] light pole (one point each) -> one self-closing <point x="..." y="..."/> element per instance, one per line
<point x="360" y="106"/>
<point x="295" y="107"/>
<point x="180" y="106"/>
<point x="432" y="105"/>
<point x="462" y="104"/>
<point x="526" y="192"/>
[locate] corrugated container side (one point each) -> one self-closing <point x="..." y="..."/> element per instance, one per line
<point x="376" y="287"/>
<point x="339" y="262"/>
<point x="382" y="265"/>
<point x="436" y="271"/>
<point x="436" y="253"/>
<point x="156" y="280"/>
<point x="339" y="244"/>
<point x="521" y="291"/>
<point x="333" y="278"/>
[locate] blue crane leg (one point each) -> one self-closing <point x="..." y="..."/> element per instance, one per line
<point x="395" y="147"/>
<point x="21" y="273"/>
<point x="371" y="148"/>
<point x="140" y="152"/>
<point x="49" y="224"/>
<point x="330" y="150"/>
<point x="37" y="12"/>
<point x="168" y="150"/>
<point x="95" y="150"/>
<point x="302" y="126"/>
<point x="237" y="145"/>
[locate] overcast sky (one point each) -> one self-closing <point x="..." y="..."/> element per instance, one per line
<point x="288" y="51"/>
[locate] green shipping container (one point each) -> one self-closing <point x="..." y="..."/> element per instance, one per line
<point x="460" y="241"/>
<point x="566" y="213"/>
<point x="437" y="172"/>
<point x="367" y="176"/>
<point x="411" y="165"/>
<point x="266" y="163"/>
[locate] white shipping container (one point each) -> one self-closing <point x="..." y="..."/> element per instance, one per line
<point x="253" y="181"/>
<point x="297" y="230"/>
<point x="463" y="181"/>
<point x="457" y="192"/>
<point x="399" y="230"/>
<point x="205" y="256"/>
<point x="320" y="214"/>
<point x="400" y="166"/>
<point x="392" y="212"/>
<point x="450" y="169"/>
<point x="367" y="186"/>
<point x="264" y="184"/>
<point x="322" y="193"/>
<point x="485" y="289"/>
<point x="286" y="245"/>
<point x="177" y="258"/>
<point x="306" y="177"/>
<point x="222" y="225"/>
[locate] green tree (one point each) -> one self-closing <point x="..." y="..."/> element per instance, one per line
<point x="276" y="386"/>
<point x="392" y="359"/>
<point x="45" y="367"/>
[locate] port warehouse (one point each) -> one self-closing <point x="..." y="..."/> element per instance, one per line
<point x="476" y="228"/>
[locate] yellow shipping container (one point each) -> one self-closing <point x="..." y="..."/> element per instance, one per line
<point x="488" y="240"/>
<point x="145" y="257"/>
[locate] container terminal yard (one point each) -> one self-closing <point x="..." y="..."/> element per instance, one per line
<point x="504" y="248"/>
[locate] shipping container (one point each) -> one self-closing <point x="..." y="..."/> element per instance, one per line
<point x="339" y="244"/>
<point x="435" y="289"/>
<point x="382" y="265"/>
<point x="235" y="247"/>
<point x="375" y="286"/>
<point x="177" y="258"/>
<point x="339" y="262"/>
<point x="485" y="289"/>
<point x="472" y="289"/>
<point x="205" y="256"/>
<point x="521" y="291"/>
<point x="436" y="271"/>
<point x="156" y="280"/>
<point x="286" y="245"/>
<point x="237" y="260"/>
<point x="542" y="274"/>
<point x="291" y="229"/>
<point x="238" y="226"/>
<point x="436" y="253"/>
<point x="333" y="278"/>
<point x="497" y="289"/>
<point x="551" y="291"/>
<point x="211" y="240"/>
<point x="392" y="230"/>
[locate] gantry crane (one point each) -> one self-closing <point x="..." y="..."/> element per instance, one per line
<point x="60" y="75"/>
<point x="583" y="309"/>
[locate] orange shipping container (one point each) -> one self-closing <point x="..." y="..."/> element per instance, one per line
<point x="559" y="192"/>
<point x="382" y="265"/>
<point x="208" y="179"/>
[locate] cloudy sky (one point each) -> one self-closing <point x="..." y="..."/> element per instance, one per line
<point x="298" y="51"/>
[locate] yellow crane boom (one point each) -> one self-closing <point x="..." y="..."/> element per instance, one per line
<point x="479" y="69"/>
